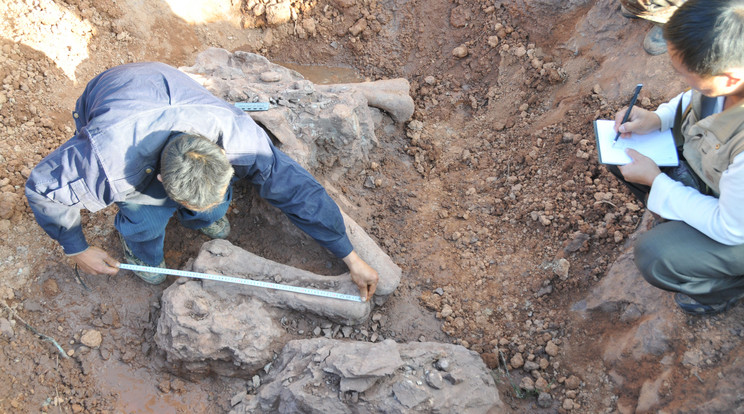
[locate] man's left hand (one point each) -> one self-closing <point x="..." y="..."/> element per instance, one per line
<point x="641" y="170"/>
<point x="362" y="274"/>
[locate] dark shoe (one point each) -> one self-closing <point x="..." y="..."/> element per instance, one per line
<point x="654" y="43"/>
<point x="149" y="277"/>
<point x="220" y="229"/>
<point x="628" y="15"/>
<point x="693" y="307"/>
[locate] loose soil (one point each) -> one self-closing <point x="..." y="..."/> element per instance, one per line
<point x="493" y="183"/>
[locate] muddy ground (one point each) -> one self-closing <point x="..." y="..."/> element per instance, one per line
<point x="494" y="183"/>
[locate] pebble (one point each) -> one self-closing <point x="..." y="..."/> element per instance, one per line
<point x="91" y="338"/>
<point x="460" y="51"/>
<point x="573" y="382"/>
<point x="527" y="384"/>
<point x="493" y="41"/>
<point x="551" y="348"/>
<point x="434" y="379"/>
<point x="6" y="329"/>
<point x="544" y="400"/>
<point x="517" y="361"/>
<point x="446" y="311"/>
<point x="561" y="268"/>
<point x="568" y="404"/>
<point x="430" y="80"/>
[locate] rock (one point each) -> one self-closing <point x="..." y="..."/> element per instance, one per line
<point x="493" y="41"/>
<point x="434" y="379"/>
<point x="358" y="27"/>
<point x="8" y="202"/>
<point x="446" y="311"/>
<point x="50" y="288"/>
<point x="91" y="338"/>
<point x="527" y="384"/>
<point x="238" y="398"/>
<point x="568" y="404"/>
<point x="544" y="400"/>
<point x="430" y="80"/>
<point x="6" y="329"/>
<point x="516" y="361"/>
<point x="460" y="52"/>
<point x="339" y="114"/>
<point x="216" y="330"/>
<point x="279" y="12"/>
<point x="561" y="268"/>
<point x="551" y="348"/>
<point x="405" y="370"/>
<point x="573" y="382"/>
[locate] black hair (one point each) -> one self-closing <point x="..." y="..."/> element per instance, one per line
<point x="708" y="35"/>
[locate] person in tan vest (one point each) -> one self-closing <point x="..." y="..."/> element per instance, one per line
<point x="698" y="252"/>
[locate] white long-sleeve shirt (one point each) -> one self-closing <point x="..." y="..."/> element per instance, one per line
<point x="721" y="219"/>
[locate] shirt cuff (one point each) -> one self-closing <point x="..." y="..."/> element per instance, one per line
<point x="341" y="247"/>
<point x="660" y="189"/>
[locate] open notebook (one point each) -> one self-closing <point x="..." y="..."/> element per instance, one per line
<point x="659" y="146"/>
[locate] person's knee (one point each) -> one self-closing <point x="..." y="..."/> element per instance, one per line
<point x="649" y="257"/>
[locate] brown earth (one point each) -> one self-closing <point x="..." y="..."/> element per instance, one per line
<point x="495" y="182"/>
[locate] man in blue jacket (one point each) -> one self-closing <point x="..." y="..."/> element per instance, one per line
<point x="155" y="142"/>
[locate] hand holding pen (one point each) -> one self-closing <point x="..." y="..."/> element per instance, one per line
<point x="629" y="110"/>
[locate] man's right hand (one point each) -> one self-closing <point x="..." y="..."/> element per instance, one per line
<point x="640" y="121"/>
<point x="96" y="261"/>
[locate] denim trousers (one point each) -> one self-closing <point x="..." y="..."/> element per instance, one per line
<point x="676" y="257"/>
<point x="143" y="226"/>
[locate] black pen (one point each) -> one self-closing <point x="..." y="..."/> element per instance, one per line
<point x="630" y="108"/>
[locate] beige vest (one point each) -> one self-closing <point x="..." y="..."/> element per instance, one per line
<point x="710" y="144"/>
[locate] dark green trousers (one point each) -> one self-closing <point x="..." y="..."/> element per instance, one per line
<point x="674" y="256"/>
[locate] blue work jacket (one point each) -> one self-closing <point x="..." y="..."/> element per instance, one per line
<point x="123" y="120"/>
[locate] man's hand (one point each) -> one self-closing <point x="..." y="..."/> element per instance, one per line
<point x="96" y="261"/>
<point x="640" y="122"/>
<point x="362" y="274"/>
<point x="641" y="170"/>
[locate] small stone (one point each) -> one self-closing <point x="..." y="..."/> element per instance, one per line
<point x="530" y="366"/>
<point x="76" y="408"/>
<point x="544" y="400"/>
<point x="6" y="329"/>
<point x="561" y="268"/>
<point x="434" y="379"/>
<point x="164" y="386"/>
<point x="439" y="291"/>
<point x="237" y="398"/>
<point x="50" y="288"/>
<point x="493" y="41"/>
<point x="568" y="404"/>
<point x="516" y="361"/>
<point x="443" y="364"/>
<point x="460" y="51"/>
<point x="573" y="382"/>
<point x="446" y="311"/>
<point x="256" y="381"/>
<point x="527" y="384"/>
<point x="430" y="80"/>
<point x="91" y="338"/>
<point x="551" y="348"/>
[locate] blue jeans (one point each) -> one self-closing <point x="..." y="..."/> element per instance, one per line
<point x="143" y="226"/>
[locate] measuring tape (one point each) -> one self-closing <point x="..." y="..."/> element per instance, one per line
<point x="249" y="282"/>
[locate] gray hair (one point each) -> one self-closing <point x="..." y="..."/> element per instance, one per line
<point x="195" y="171"/>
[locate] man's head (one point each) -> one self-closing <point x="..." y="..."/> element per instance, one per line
<point x="195" y="171"/>
<point x="707" y="36"/>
